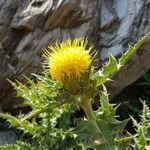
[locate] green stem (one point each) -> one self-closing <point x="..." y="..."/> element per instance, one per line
<point x="86" y="105"/>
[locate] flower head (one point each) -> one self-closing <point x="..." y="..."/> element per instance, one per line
<point x="68" y="60"/>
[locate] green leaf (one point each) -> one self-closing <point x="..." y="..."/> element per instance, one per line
<point x="106" y="107"/>
<point x="88" y="133"/>
<point x="9" y="147"/>
<point x="47" y="81"/>
<point x="99" y="78"/>
<point x="131" y="50"/>
<point x="28" y="127"/>
<point x="111" y="67"/>
<point x="36" y="94"/>
<point x="18" y="146"/>
<point x="108" y="71"/>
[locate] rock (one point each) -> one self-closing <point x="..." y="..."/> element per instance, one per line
<point x="8" y="137"/>
<point x="128" y="19"/>
<point x="68" y="14"/>
<point x="28" y="26"/>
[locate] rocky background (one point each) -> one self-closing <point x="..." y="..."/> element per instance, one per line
<point x="26" y="26"/>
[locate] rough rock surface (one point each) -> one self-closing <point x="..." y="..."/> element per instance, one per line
<point x="8" y="137"/>
<point x="26" y="26"/>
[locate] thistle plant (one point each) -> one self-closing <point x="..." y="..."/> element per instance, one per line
<point x="142" y="136"/>
<point x="69" y="82"/>
<point x="70" y="63"/>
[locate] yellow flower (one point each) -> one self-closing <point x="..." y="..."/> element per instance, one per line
<point x="68" y="60"/>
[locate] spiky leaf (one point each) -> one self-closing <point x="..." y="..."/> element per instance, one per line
<point x="9" y="147"/>
<point x="132" y="50"/>
<point x="25" y="125"/>
<point x="111" y="67"/>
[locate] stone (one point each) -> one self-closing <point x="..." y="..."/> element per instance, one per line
<point x="8" y="137"/>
